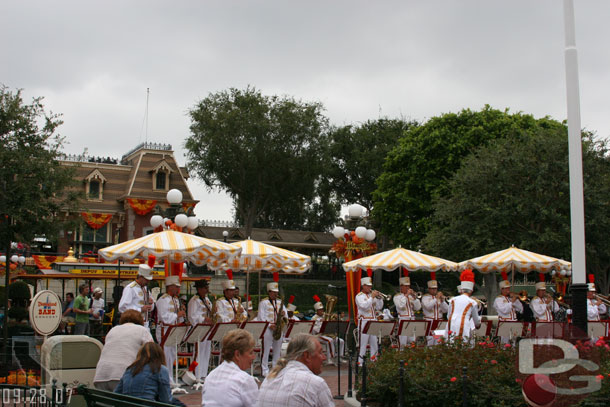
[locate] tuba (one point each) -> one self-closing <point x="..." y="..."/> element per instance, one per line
<point x="331" y="301"/>
<point x="280" y="321"/>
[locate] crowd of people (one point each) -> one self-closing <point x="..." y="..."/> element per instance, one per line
<point x="135" y="363"/>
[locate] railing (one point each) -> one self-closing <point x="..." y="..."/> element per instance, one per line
<point x="220" y="223"/>
<point x="148" y="146"/>
<point x="85" y="158"/>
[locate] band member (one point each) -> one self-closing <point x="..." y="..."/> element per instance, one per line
<point x="229" y="309"/>
<point x="433" y="305"/>
<point x="595" y="307"/>
<point x="200" y="312"/>
<point x="136" y="295"/>
<point x="543" y="305"/>
<point x="327" y="342"/>
<point x="169" y="312"/>
<point x="507" y="304"/>
<point x="291" y="309"/>
<point x="273" y="311"/>
<point x="406" y="304"/>
<point x="462" y="310"/>
<point x="368" y="302"/>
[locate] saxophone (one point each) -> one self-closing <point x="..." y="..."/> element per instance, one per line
<point x="280" y="321"/>
<point x="214" y="316"/>
<point x="240" y="311"/>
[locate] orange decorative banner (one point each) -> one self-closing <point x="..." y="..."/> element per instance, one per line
<point x="186" y="206"/>
<point x="44" y="262"/>
<point x="142" y="206"/>
<point x="96" y="220"/>
<point x="353" y="288"/>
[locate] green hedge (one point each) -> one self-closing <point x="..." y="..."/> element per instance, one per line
<point x="433" y="376"/>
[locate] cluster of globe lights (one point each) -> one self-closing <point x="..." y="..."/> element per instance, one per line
<point x="562" y="272"/>
<point x="355" y="212"/>
<point x="14" y="259"/>
<point x="174" y="197"/>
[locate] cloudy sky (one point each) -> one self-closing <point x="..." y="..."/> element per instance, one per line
<point x="93" y="61"/>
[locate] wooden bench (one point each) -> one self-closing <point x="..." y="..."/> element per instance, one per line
<point x="101" y="398"/>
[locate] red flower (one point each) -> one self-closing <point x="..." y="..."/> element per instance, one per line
<point x="507" y="345"/>
<point x="599" y="377"/>
<point x="493" y="362"/>
<point x="453" y="379"/>
<point x="518" y="380"/>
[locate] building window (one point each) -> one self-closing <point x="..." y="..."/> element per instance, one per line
<point x="94" y="189"/>
<point x="88" y="239"/>
<point x="160" y="182"/>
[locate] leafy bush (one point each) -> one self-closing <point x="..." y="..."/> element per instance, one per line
<point x="433" y="376"/>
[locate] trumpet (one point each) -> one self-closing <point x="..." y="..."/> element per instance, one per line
<point x="379" y="294"/>
<point x="605" y="300"/>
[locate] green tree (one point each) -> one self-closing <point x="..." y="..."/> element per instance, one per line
<point x="516" y="191"/>
<point x="357" y="154"/>
<point x="265" y="151"/>
<point x="416" y="172"/>
<point x="34" y="186"/>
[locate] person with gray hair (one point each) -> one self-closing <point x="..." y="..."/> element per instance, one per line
<point x="294" y="380"/>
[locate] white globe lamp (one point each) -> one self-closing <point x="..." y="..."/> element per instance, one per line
<point x="338" y="232"/>
<point x="355" y="211"/>
<point x="361" y="232"/>
<point x="181" y="220"/>
<point x="174" y="196"/>
<point x="193" y="222"/>
<point x="156" y="221"/>
<point x="370" y="235"/>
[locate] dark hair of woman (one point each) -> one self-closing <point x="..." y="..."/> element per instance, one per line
<point x="149" y="354"/>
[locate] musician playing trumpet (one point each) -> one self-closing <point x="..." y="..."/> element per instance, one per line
<point x="406" y="304"/>
<point x="543" y="305"/>
<point x="368" y="302"/>
<point x="433" y="305"/>
<point x="273" y="311"/>
<point x="507" y="304"/>
<point x="136" y="295"/>
<point x="228" y="308"/>
<point x="595" y="306"/>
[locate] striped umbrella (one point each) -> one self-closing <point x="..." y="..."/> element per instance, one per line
<point x="392" y="259"/>
<point x="261" y="256"/>
<point x="174" y="246"/>
<point x="515" y="259"/>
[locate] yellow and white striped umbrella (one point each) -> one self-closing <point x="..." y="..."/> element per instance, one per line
<point x="261" y="256"/>
<point x="172" y="245"/>
<point x="392" y="259"/>
<point x="515" y="259"/>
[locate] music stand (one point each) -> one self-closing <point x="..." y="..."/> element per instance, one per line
<point x="597" y="329"/>
<point x="197" y="333"/>
<point x="413" y="328"/>
<point x="256" y="328"/>
<point x="220" y="329"/>
<point x="511" y="329"/>
<point x="173" y="337"/>
<point x="548" y="330"/>
<point x="379" y="328"/>
<point x="299" y="327"/>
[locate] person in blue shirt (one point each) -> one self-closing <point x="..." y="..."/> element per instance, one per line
<point x="147" y="377"/>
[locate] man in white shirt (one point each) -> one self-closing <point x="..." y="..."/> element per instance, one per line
<point x="462" y="310"/>
<point x="200" y="312"/>
<point x="136" y="295"/>
<point x="228" y="308"/>
<point x="273" y="311"/>
<point x="507" y="306"/>
<point x="433" y="306"/>
<point x="406" y="304"/>
<point x="97" y="315"/>
<point x="595" y="307"/>
<point x="368" y="302"/>
<point x="169" y="313"/>
<point x="543" y="306"/>
<point x="295" y="382"/>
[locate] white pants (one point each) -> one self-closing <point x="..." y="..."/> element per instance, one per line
<point x="365" y="340"/>
<point x="170" y="354"/>
<point x="204" y="349"/>
<point x="268" y="342"/>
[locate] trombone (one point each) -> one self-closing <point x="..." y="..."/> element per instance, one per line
<point x="604" y="299"/>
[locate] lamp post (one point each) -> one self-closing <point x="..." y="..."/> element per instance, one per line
<point x="225" y="234"/>
<point x="4" y="259"/>
<point x="174" y="217"/>
<point x="356" y="242"/>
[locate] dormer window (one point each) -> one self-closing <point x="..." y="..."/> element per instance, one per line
<point x="94" y="186"/>
<point x="160" y="176"/>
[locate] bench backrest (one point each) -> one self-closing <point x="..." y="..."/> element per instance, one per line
<point x="102" y="398"/>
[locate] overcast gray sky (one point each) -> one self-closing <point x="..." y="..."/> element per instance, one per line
<point x="92" y="61"/>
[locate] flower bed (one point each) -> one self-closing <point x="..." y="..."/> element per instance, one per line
<point x="433" y="376"/>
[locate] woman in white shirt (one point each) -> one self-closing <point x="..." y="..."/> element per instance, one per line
<point x="120" y="350"/>
<point x="228" y="385"/>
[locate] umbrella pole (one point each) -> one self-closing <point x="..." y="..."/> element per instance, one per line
<point x="513" y="273"/>
<point x="259" y="285"/>
<point x="247" y="285"/>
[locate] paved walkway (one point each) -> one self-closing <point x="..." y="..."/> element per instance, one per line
<point x="329" y="374"/>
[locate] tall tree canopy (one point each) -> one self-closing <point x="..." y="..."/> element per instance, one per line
<point x="516" y="191"/>
<point x="267" y="152"/>
<point x="416" y="172"/>
<point x="356" y="157"/>
<point x="34" y="187"/>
